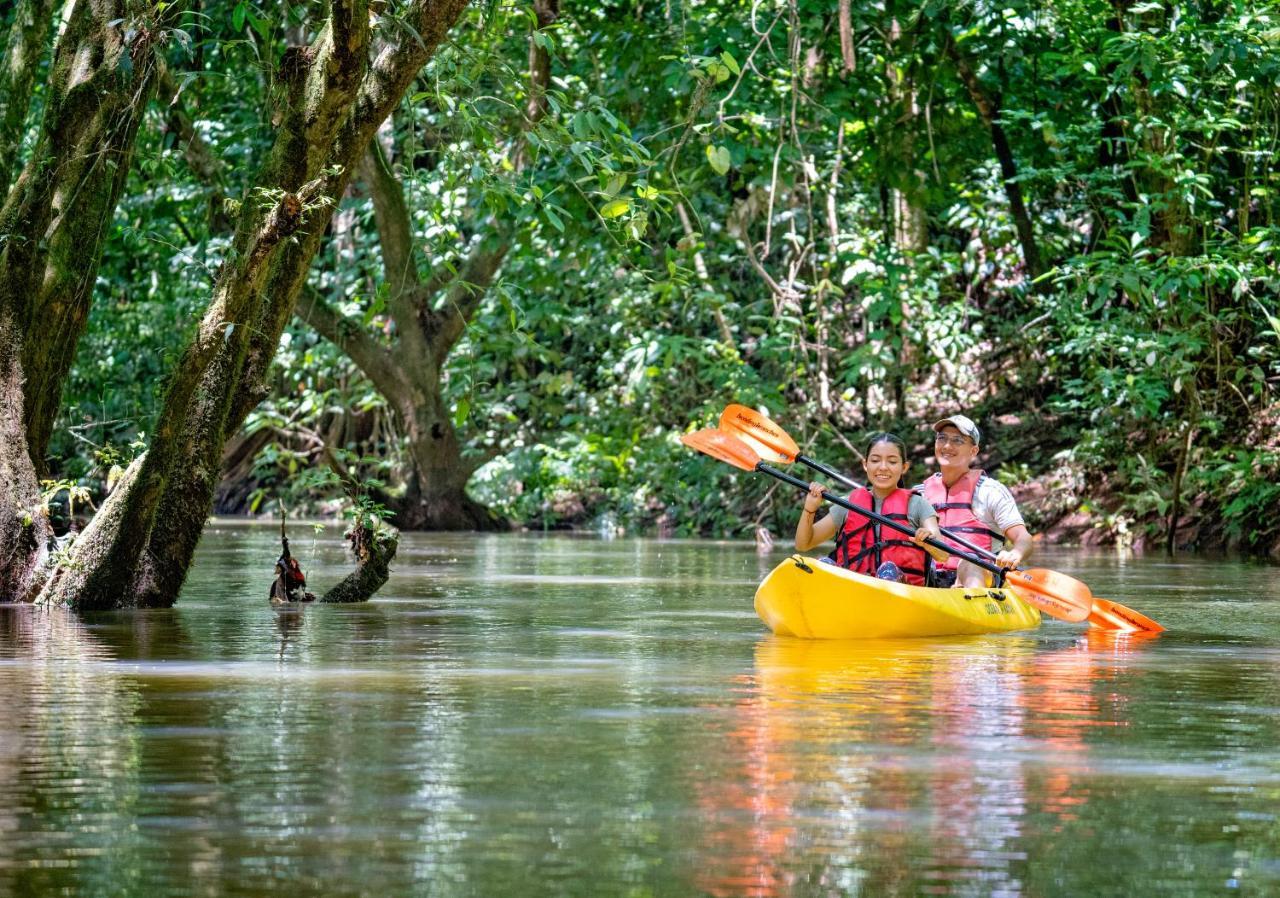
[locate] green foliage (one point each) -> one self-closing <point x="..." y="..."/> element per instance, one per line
<point x="717" y="208"/>
<point x="361" y="504"/>
<point x="1249" y="484"/>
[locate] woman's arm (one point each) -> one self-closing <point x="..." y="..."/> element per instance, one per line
<point x="929" y="530"/>
<point x="809" y="534"/>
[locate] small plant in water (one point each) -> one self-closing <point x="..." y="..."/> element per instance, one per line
<point x="361" y="504"/>
<point x="50" y="490"/>
<point x="370" y="538"/>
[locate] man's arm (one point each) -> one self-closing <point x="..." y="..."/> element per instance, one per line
<point x="1002" y="510"/>
<point x="1021" y="549"/>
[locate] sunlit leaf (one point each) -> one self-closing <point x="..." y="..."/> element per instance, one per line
<point x="719" y="158"/>
<point x="615" y="208"/>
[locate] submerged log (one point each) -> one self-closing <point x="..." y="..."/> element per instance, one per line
<point x="374" y="547"/>
<point x="282" y="594"/>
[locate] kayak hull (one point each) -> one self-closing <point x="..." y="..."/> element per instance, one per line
<point x="811" y="599"/>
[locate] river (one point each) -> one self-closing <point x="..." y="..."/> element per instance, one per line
<point x="558" y="715"/>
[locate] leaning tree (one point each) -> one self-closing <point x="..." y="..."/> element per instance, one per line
<point x="334" y="93"/>
<point x="53" y="225"/>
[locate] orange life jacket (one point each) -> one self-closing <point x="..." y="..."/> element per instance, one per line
<point x="862" y="547"/>
<point x="955" y="512"/>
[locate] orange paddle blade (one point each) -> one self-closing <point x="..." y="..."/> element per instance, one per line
<point x="1053" y="593"/>
<point x="1099" y="619"/>
<point x="759" y="432"/>
<point x="724" y="446"/>
<point x="1116" y="640"/>
<point x="1108" y="615"/>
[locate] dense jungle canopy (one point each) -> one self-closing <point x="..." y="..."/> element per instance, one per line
<point x="458" y="266"/>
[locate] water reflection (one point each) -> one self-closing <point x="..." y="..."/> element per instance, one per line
<point x="904" y="767"/>
<point x="66" y="761"/>
<point x="289" y="622"/>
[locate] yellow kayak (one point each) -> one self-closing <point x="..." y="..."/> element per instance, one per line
<point x="811" y="599"/>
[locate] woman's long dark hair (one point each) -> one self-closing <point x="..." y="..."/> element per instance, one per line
<point x="886" y="437"/>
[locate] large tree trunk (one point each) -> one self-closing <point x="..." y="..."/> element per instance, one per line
<point x="52" y="227"/>
<point x="24" y="526"/>
<point x="237" y="386"/>
<point x="75" y="177"/>
<point x="335" y="101"/>
<point x="107" y="568"/>
<point x="436" y="498"/>
<point x="408" y="373"/>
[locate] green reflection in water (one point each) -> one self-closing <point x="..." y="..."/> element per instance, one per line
<point x="555" y="715"/>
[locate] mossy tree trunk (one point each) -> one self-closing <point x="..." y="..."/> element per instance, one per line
<point x="374" y="547"/>
<point x="137" y="551"/>
<point x="24" y="527"/>
<point x="52" y="226"/>
<point x="407" y="371"/>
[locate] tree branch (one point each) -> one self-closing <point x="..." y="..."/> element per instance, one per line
<point x="407" y="48"/>
<point x="25" y="48"/>
<point x="700" y="267"/>
<point x="370" y="357"/>
<point x="465" y="294"/>
<point x="392" y="214"/>
<point x="989" y="108"/>
<point x="535" y="107"/>
<point x="849" y="59"/>
<point x="200" y="159"/>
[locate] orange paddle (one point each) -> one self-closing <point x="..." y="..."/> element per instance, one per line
<point x="1110" y="615"/>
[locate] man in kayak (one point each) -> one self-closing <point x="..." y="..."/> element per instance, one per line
<point x="866" y="546"/>
<point x="977" y="507"/>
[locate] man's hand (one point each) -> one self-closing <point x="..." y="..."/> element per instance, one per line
<point x="1009" y="558"/>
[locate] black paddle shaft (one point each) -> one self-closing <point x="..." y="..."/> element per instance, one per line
<point x="875" y="516"/>
<point x="830" y="472"/>
<point x="836" y="475"/>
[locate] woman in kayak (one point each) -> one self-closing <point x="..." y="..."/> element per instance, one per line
<point x="864" y="545"/>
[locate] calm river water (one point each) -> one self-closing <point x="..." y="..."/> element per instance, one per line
<point x="530" y="715"/>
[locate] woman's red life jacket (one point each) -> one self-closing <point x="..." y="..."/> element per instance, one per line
<point x="955" y="512"/>
<point x="862" y="547"/>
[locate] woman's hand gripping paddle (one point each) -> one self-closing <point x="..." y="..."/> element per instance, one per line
<point x="776" y="445"/>
<point x="1055" y="594"/>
